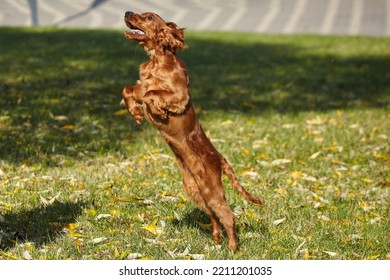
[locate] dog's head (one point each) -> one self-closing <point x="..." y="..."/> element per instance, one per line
<point x="153" y="32"/>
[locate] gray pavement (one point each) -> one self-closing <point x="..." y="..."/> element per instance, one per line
<point x="341" y="17"/>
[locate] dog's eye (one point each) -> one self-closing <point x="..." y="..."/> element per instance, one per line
<point x="150" y="18"/>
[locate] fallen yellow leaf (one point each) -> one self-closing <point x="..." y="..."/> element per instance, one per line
<point x="296" y="174"/>
<point x="71" y="226"/>
<point x="13" y="257"/>
<point x="306" y="254"/>
<point x="75" y="234"/>
<point x="372" y="257"/>
<point x="116" y="252"/>
<point x="153" y="228"/>
<point x="67" y="127"/>
<point x="121" y="112"/>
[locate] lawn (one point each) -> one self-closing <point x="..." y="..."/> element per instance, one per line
<point x="304" y="120"/>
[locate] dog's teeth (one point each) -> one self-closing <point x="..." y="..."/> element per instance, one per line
<point x="137" y="32"/>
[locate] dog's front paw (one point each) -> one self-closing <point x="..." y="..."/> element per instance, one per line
<point x="127" y="91"/>
<point x="135" y="111"/>
<point x="179" y="107"/>
<point x="132" y="105"/>
<point x="158" y="109"/>
<point x="177" y="110"/>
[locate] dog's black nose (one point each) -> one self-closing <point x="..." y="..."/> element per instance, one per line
<point x="128" y="14"/>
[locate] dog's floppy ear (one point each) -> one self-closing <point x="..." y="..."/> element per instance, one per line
<point x="171" y="37"/>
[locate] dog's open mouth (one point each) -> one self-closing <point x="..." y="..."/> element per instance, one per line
<point x="134" y="30"/>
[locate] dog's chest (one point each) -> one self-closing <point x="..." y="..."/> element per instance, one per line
<point x="152" y="77"/>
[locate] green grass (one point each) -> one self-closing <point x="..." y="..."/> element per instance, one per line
<point x="304" y="120"/>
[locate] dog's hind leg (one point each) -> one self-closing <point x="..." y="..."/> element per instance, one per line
<point x="191" y="187"/>
<point x="213" y="202"/>
<point x="216" y="202"/>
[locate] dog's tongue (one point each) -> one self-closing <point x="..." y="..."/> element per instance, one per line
<point x="136" y="32"/>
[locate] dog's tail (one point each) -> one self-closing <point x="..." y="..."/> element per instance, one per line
<point x="229" y="172"/>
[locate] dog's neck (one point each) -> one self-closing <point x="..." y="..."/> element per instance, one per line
<point x="154" y="52"/>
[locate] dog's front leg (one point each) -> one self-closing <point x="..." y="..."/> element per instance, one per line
<point x="133" y="105"/>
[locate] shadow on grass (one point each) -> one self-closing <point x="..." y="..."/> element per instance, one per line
<point x="40" y="225"/>
<point x="192" y="219"/>
<point x="199" y="220"/>
<point x="286" y="76"/>
<point x="60" y="89"/>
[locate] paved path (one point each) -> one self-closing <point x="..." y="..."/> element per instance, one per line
<point x="343" y="17"/>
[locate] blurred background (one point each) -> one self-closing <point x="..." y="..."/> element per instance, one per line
<point x="340" y="17"/>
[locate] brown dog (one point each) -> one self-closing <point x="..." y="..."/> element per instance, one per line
<point x="162" y="96"/>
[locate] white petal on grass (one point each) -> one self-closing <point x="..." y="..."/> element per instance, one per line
<point x="324" y="218"/>
<point x="53" y="199"/>
<point x="154" y="241"/>
<point x="316" y="121"/>
<point x="375" y="220"/>
<point x="317" y="205"/>
<point x="238" y="211"/>
<point x="186" y="250"/>
<point x="101" y="216"/>
<point x="281" y="161"/>
<point x="315" y="155"/>
<point x="289" y="125"/>
<point x="61" y="118"/>
<point x="171" y="254"/>
<point x="168" y="198"/>
<point x="298" y="249"/>
<point x="309" y="178"/>
<point x="197" y="256"/>
<point x="332" y="254"/>
<point x="355" y="236"/>
<point x="278" y="222"/>
<point x="264" y="163"/>
<point x="177" y="215"/>
<point x="26" y="255"/>
<point x="98" y="240"/>
<point x="252" y="174"/>
<point x="185" y="254"/>
<point x="134" y="256"/>
<point x="148" y="202"/>
<point x="43" y="200"/>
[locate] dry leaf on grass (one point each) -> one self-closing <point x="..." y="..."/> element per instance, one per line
<point x="46" y="202"/>
<point x="332" y="254"/>
<point x="26" y="255"/>
<point x="98" y="240"/>
<point x="154" y="241"/>
<point x="281" y="161"/>
<point x="278" y="222"/>
<point x="134" y="256"/>
<point x="101" y="216"/>
<point x="153" y="227"/>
